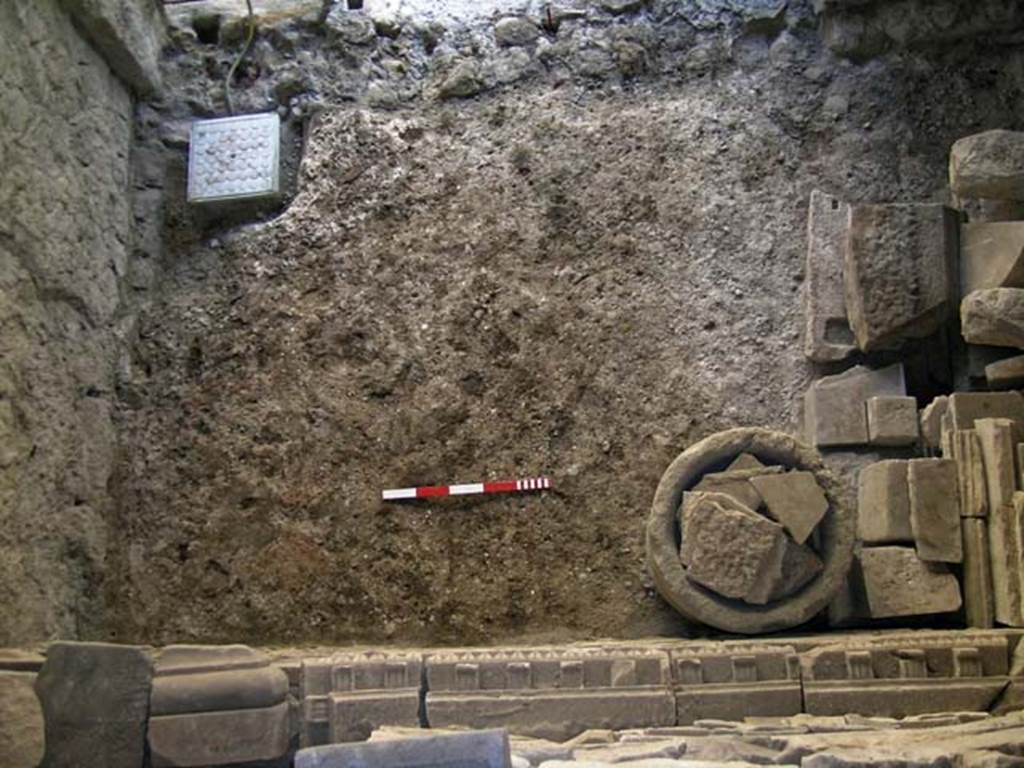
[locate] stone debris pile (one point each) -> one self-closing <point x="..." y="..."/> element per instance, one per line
<point x="939" y="524"/>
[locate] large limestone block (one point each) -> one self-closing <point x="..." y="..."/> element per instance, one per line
<point x="795" y="500"/>
<point x="991" y="255"/>
<point x="935" y="509"/>
<point x="899" y="276"/>
<point x="883" y="503"/>
<point x="994" y="316"/>
<point x="479" y="749"/>
<point x="835" y="407"/>
<point x="21" y="721"/>
<point x="979" y="607"/>
<point x="967" y="407"/>
<point x="988" y="165"/>
<point x="827" y="334"/>
<point x="129" y="34"/>
<point x="729" y="548"/>
<point x="1007" y="561"/>
<point x="95" y="699"/>
<point x="997" y="438"/>
<point x="219" y="738"/>
<point x="898" y="583"/>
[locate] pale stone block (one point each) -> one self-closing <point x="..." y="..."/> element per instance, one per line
<point x="795" y="500"/>
<point x="827" y="335"/>
<point x="883" y="504"/>
<point x="967" y="407"/>
<point x="997" y="438"/>
<point x="978" y="602"/>
<point x="988" y="165"/>
<point x="899" y="277"/>
<point x="736" y="483"/>
<point x="1007" y="373"/>
<point x="835" y="412"/>
<point x="970" y="465"/>
<point x="931" y="422"/>
<point x="991" y="255"/>
<point x="935" y="509"/>
<point x="892" y="421"/>
<point x="21" y="721"/>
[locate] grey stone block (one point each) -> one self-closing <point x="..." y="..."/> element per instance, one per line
<point x="795" y="500"/>
<point x="482" y="749"/>
<point x="991" y="255"/>
<point x="994" y="316"/>
<point x="979" y="606"/>
<point x="899" y="274"/>
<point x="1007" y="373"/>
<point x="898" y="583"/>
<point x="883" y="503"/>
<point x="835" y="407"/>
<point x="892" y="421"/>
<point x="827" y="334"/>
<point x="965" y="450"/>
<point x="95" y="699"/>
<point x="225" y="737"/>
<point x="935" y="509"/>
<point x="967" y="407"/>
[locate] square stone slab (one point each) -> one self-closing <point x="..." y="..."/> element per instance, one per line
<point x="794" y="499"/>
<point x="898" y="583"/>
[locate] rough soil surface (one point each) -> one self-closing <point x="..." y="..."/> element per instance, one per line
<point x="570" y="281"/>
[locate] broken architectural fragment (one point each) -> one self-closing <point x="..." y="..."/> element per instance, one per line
<point x="935" y="509"/>
<point x="95" y="699"/>
<point x="883" y="503"/>
<point x="994" y="316"/>
<point x="899" y="276"/>
<point x="835" y="407"/>
<point x="729" y="548"/>
<point x="549" y="693"/>
<point x="991" y="255"/>
<point x="736" y="483"/>
<point x="216" y="705"/>
<point x="795" y="500"/>
<point x="346" y="696"/>
<point x="898" y="583"/>
<point x="930" y="421"/>
<point x="979" y="608"/>
<point x="732" y="682"/>
<point x="827" y="334"/>
<point x="988" y="165"/>
<point x="1007" y="373"/>
<point x="800" y="564"/>
<point x="892" y="421"/>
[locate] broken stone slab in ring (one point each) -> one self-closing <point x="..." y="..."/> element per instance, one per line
<point x="748" y="532"/>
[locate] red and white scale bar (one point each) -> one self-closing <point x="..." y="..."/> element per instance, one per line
<point x="468" y="489"/>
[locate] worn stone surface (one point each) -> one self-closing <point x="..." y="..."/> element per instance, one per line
<point x="979" y="606"/>
<point x="190" y="679"/>
<point x="351" y="28"/>
<point x="482" y="749"/>
<point x="827" y="334"/>
<point x="729" y="548"/>
<point x="128" y="34"/>
<point x="800" y="564"/>
<point x="899" y="271"/>
<point x="21" y="721"/>
<point x="1007" y="373"/>
<point x="935" y="509"/>
<point x="515" y="30"/>
<point x="795" y="500"/>
<point x="95" y="699"/>
<point x="221" y="737"/>
<point x="892" y="421"/>
<point x="998" y="440"/>
<point x="988" y="164"/>
<point x="991" y="255"/>
<point x="994" y="316"/>
<point x="835" y="411"/>
<point x="898" y="583"/>
<point x="966" y="451"/>
<point x="883" y="503"/>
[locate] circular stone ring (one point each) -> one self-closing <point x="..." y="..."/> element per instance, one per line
<point x="837" y="532"/>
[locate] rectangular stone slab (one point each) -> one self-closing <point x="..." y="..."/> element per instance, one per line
<point x="1006" y="562"/>
<point x="1007" y="373"/>
<point x="827" y="334"/>
<point x="883" y="503"/>
<point x="900" y="698"/>
<point x="483" y="749"/>
<point x="835" y="407"/>
<point x="979" y="607"/>
<point x="892" y="421"/>
<point x="935" y="509"/>
<point x="778" y="698"/>
<point x="899" y="277"/>
<point x="219" y="738"/>
<point x="898" y="583"/>
<point x="970" y="466"/>
<point x="967" y="407"/>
